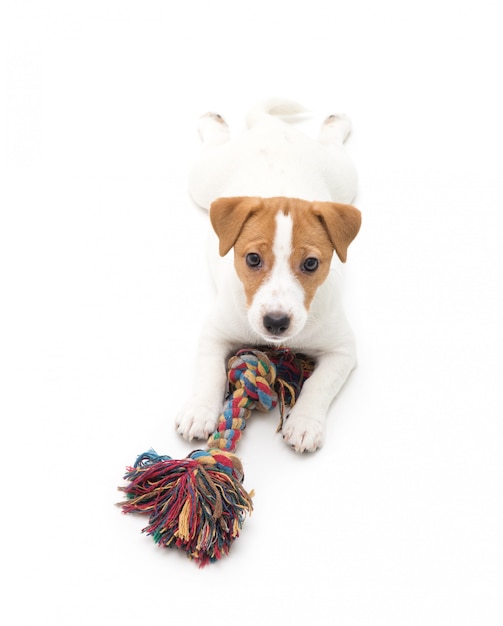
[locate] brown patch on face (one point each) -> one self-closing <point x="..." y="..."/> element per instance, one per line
<point x="248" y="224"/>
<point x="309" y="241"/>
<point x="319" y="228"/>
<point x="256" y="237"/>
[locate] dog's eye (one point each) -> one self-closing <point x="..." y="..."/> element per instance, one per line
<point x="310" y="264"/>
<point x="253" y="260"/>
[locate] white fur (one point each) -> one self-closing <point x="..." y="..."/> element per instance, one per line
<point x="272" y="158"/>
<point x="281" y="292"/>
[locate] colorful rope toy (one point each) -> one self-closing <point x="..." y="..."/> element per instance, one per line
<point x="199" y="504"/>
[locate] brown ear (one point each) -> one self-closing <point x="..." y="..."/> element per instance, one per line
<point x="342" y="223"/>
<point x="228" y="216"/>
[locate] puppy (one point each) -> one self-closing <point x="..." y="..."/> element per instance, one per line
<point x="279" y="206"/>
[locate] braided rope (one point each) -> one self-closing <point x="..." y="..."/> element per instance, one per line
<point x="251" y="378"/>
<point x="258" y="381"/>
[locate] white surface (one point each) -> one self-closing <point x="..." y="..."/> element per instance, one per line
<point x="398" y="519"/>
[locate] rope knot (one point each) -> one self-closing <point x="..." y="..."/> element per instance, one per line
<point x="252" y="374"/>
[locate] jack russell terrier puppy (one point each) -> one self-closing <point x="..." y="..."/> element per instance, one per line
<point x="279" y="206"/>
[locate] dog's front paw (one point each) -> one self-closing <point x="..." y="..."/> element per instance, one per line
<point x="197" y="420"/>
<point x="304" y="433"/>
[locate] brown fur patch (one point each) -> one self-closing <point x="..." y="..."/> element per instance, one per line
<point x="309" y="239"/>
<point x="257" y="237"/>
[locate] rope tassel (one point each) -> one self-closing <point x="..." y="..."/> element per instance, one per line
<point x="199" y="504"/>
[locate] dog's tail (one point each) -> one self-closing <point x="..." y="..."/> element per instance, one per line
<point x="287" y="110"/>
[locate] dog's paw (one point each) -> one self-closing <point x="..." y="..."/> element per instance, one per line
<point x="335" y="129"/>
<point x="197" y="420"/>
<point x="213" y="129"/>
<point x="303" y="432"/>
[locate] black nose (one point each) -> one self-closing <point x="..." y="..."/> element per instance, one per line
<point x="276" y="323"/>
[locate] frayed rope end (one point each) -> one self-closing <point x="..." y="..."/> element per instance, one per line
<point x="197" y="504"/>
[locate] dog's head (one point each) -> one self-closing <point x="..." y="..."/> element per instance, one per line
<point x="282" y="253"/>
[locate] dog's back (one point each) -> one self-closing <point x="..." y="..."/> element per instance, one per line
<point x="273" y="158"/>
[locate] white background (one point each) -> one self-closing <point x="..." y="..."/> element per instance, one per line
<point x="398" y="519"/>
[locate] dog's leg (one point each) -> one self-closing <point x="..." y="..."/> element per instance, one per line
<point x="335" y="130"/>
<point x="198" y="419"/>
<point x="213" y="129"/>
<point x="304" y="428"/>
